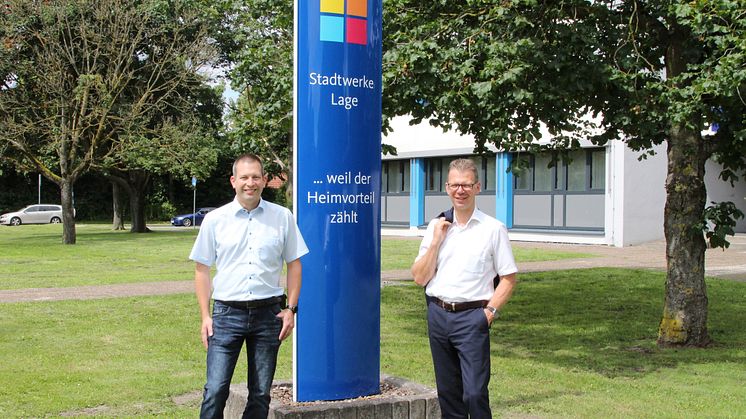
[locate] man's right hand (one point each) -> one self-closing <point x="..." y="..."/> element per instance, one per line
<point x="441" y="228"/>
<point x="424" y="268"/>
<point x="206" y="330"/>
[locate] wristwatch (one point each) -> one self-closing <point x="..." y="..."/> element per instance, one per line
<point x="294" y="309"/>
<point x="494" y="311"/>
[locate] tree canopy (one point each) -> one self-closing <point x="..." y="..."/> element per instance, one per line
<point x="261" y="120"/>
<point x="645" y="72"/>
<point x="83" y="82"/>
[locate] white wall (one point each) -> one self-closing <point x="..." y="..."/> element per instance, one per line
<point x="718" y="191"/>
<point x="424" y="140"/>
<point x="644" y="195"/>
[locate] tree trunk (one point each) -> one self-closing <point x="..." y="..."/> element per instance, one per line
<point x="68" y="214"/>
<point x="684" y="320"/>
<point x="138" y="183"/>
<point x="118" y="208"/>
<point x="137" y="208"/>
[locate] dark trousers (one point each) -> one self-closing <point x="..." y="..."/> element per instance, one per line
<point x="460" y="345"/>
<point x="260" y="329"/>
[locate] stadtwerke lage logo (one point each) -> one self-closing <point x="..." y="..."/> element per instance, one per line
<point x="344" y="21"/>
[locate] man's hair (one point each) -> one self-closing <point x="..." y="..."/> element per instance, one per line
<point x="465" y="165"/>
<point x="250" y="157"/>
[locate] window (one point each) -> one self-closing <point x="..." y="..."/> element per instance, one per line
<point x="576" y="166"/>
<point x="445" y="164"/>
<point x="490" y="175"/>
<point x="543" y="173"/>
<point x="581" y="170"/>
<point x="405" y="172"/>
<point x="395" y="176"/>
<point x="560" y="180"/>
<point x="522" y="173"/>
<point x="434" y="178"/>
<point x="569" y="195"/>
<point x="598" y="169"/>
<point x="485" y="171"/>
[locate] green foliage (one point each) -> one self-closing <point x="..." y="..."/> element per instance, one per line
<point x="261" y="119"/>
<point x="158" y="208"/>
<point x="498" y="70"/>
<point x="722" y="217"/>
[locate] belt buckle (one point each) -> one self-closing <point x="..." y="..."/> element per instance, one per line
<point x="453" y="307"/>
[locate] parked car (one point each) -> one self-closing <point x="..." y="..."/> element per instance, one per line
<point x="33" y="214"/>
<point x="187" y="220"/>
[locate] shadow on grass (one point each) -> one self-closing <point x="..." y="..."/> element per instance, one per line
<point x="598" y="320"/>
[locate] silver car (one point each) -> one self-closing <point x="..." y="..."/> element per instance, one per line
<point x="33" y="214"/>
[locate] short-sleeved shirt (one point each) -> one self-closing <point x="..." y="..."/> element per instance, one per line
<point x="248" y="249"/>
<point x="470" y="257"/>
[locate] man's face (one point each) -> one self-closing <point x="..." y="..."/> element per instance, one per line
<point x="249" y="183"/>
<point x="463" y="189"/>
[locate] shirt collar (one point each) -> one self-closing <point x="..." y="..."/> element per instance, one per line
<point x="236" y="207"/>
<point x="476" y="215"/>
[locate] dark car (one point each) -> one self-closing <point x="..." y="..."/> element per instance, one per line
<point x="187" y="220"/>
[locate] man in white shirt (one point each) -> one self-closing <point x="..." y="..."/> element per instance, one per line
<point x="457" y="263"/>
<point x="248" y="240"/>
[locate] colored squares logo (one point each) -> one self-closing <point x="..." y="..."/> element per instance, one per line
<point x="357" y="8"/>
<point x="333" y="6"/>
<point x="357" y="31"/>
<point x="344" y="21"/>
<point x="332" y="28"/>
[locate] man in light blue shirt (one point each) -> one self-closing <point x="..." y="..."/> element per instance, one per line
<point x="247" y="240"/>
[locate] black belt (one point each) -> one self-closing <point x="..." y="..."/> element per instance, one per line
<point x="466" y="305"/>
<point x="245" y="305"/>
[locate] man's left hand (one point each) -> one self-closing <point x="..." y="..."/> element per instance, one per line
<point x="288" y="323"/>
<point x="490" y="317"/>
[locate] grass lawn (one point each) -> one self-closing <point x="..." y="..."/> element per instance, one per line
<point x="569" y="344"/>
<point x="32" y="256"/>
<point x="399" y="253"/>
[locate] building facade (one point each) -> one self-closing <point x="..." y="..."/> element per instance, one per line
<point x="596" y="195"/>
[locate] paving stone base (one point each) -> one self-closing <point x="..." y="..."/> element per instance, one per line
<point x="422" y="403"/>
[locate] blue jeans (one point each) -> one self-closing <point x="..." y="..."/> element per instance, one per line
<point x="260" y="329"/>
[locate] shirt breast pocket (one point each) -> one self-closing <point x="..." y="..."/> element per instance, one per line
<point x="270" y="250"/>
<point x="475" y="260"/>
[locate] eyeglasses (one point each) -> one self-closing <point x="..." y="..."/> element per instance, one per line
<point x="465" y="186"/>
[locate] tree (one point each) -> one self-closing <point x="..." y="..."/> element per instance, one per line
<point x="79" y="78"/>
<point x="261" y="120"/>
<point x="647" y="72"/>
<point x="179" y="141"/>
